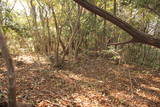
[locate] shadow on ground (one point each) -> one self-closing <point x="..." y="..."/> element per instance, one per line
<point x="89" y="82"/>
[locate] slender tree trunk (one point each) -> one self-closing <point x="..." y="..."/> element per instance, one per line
<point x="104" y="29"/>
<point x="77" y="32"/>
<point x="43" y="24"/>
<point x="57" y="57"/>
<point x="1" y="16"/>
<point x="115" y="7"/>
<point x="36" y="33"/>
<point x="49" y="34"/>
<point x="75" y="29"/>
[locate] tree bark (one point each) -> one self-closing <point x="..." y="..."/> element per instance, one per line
<point x="11" y="74"/>
<point x="137" y="35"/>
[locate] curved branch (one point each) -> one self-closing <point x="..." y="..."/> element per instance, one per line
<point x="139" y="36"/>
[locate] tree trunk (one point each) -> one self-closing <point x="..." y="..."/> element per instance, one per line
<point x="115" y="7"/>
<point x="138" y="36"/>
<point x="57" y="56"/>
<point x="35" y="31"/>
<point x="11" y="74"/>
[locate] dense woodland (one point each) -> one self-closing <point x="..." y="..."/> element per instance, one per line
<point x="80" y="53"/>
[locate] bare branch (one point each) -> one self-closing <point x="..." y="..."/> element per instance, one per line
<point x="122" y="43"/>
<point x="152" y="10"/>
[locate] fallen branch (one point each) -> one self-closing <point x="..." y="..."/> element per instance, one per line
<point x="122" y="43"/>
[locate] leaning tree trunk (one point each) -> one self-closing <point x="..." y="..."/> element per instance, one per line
<point x="138" y="36"/>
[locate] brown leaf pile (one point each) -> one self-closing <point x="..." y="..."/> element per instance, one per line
<point x="89" y="82"/>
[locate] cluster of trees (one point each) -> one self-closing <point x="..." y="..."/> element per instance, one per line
<point x="65" y="28"/>
<point x="62" y="28"/>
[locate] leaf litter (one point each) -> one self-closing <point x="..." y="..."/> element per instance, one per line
<point x="88" y="82"/>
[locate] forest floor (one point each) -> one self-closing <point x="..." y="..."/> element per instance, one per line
<point x="88" y="82"/>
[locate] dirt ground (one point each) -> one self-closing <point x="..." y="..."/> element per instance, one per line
<point x="88" y="82"/>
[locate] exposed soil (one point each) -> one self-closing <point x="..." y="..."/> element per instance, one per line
<point x="88" y="82"/>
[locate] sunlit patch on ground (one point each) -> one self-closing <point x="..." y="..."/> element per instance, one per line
<point x="1" y="76"/>
<point x="29" y="59"/>
<point x="89" y="83"/>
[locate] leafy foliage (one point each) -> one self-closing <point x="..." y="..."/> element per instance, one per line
<point x="37" y="25"/>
